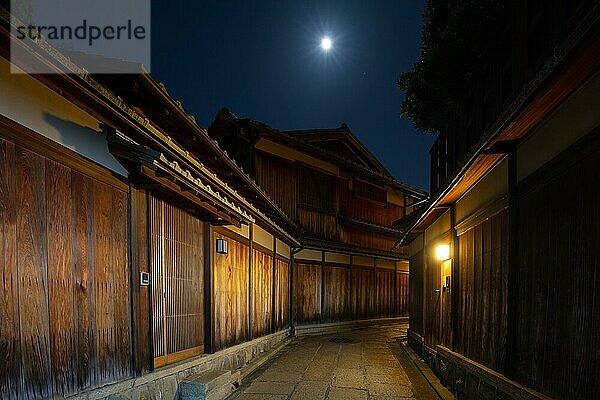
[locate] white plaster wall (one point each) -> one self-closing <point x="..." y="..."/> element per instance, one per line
<point x="490" y="187"/>
<point x="244" y="230"/>
<point x="262" y="237"/>
<point x="439" y="227"/>
<point x="306" y="254"/>
<point x="31" y="104"/>
<point x="283" y="249"/>
<point x="403" y="266"/>
<point x="361" y="260"/>
<point x="339" y="258"/>
<point x="383" y="263"/>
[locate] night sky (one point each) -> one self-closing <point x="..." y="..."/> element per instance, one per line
<point x="262" y="59"/>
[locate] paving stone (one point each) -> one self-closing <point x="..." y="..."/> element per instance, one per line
<point x="350" y="378"/>
<point x="318" y="376"/>
<point x="382" y="389"/>
<point x="280" y="376"/>
<point x="260" y="396"/>
<point x="313" y="368"/>
<point x="262" y="387"/>
<point x="387" y="379"/>
<point x="310" y="390"/>
<point x="336" y="393"/>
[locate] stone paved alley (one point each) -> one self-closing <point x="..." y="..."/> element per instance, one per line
<point x="373" y="365"/>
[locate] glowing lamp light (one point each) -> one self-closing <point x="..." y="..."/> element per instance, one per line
<point x="222" y="246"/>
<point x="442" y="252"/>
<point x="326" y="43"/>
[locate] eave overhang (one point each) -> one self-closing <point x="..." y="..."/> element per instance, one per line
<point x="79" y="87"/>
<point x="147" y="166"/>
<point x="318" y="244"/>
<point x="386" y="230"/>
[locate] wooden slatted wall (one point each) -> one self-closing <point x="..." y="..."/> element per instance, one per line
<point x="231" y="274"/>
<point x="415" y="282"/>
<point x="64" y="302"/>
<point x="319" y="225"/>
<point x="362" y="298"/>
<point x="558" y="278"/>
<point x="432" y="322"/>
<point x="384" y="300"/>
<point x="366" y="238"/>
<point x="307" y="292"/>
<point x="402" y="293"/>
<point x="349" y="292"/>
<point x="262" y="287"/>
<point x="336" y="292"/>
<point x="482" y="287"/>
<point x="177" y="262"/>
<point x="279" y="178"/>
<point x="282" y="290"/>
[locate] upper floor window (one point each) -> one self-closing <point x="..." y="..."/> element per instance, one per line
<point x="317" y="190"/>
<point x="367" y="191"/>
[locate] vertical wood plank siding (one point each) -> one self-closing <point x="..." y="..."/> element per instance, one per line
<point x="416" y="276"/>
<point x="557" y="322"/>
<point x="141" y="296"/>
<point x="231" y="294"/>
<point x="262" y="286"/>
<point x="482" y="298"/>
<point x="402" y="295"/>
<point x="355" y="292"/>
<point x="178" y="272"/>
<point x="63" y="249"/>
<point x="307" y="292"/>
<point x="279" y="178"/>
<point x="367" y="239"/>
<point x="432" y="298"/>
<point x="319" y="225"/>
<point x="336" y="293"/>
<point x="282" y="292"/>
<point x="365" y="210"/>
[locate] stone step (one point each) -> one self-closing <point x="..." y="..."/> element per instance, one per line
<point x="210" y="385"/>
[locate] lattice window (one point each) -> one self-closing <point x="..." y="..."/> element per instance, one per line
<point x="177" y="262"/>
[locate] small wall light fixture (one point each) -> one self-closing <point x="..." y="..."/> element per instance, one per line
<point x="222" y="246"/>
<point x="442" y="252"/>
<point x="144" y="278"/>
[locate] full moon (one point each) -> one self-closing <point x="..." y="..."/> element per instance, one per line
<point x="326" y="43"/>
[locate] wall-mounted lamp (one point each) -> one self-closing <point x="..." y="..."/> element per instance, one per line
<point x="442" y="252"/>
<point x="222" y="246"/>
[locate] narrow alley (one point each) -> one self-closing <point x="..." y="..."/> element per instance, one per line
<point x="363" y="364"/>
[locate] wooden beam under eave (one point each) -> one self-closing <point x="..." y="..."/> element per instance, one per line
<point x="174" y="187"/>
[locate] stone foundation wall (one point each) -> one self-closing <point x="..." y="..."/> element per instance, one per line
<point x="341" y="327"/>
<point x="468" y="379"/>
<point x="162" y="383"/>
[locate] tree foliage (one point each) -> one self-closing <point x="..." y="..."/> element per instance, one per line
<point x="454" y="35"/>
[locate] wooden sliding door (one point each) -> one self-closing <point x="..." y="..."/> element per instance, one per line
<point x="177" y="263"/>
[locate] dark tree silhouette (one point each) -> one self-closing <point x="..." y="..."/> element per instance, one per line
<point x="455" y="33"/>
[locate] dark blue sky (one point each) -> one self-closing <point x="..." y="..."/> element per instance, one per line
<point x="262" y="60"/>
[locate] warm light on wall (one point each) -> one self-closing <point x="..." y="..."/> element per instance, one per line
<point x="222" y="246"/>
<point x="442" y="252"/>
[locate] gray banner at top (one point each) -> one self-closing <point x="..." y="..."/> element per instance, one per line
<point x="78" y="36"/>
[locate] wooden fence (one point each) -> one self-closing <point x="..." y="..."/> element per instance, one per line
<point x="65" y="322"/>
<point x="326" y="292"/>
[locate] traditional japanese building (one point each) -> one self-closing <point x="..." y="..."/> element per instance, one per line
<point x="343" y="201"/>
<point x="135" y="252"/>
<point x="503" y="259"/>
